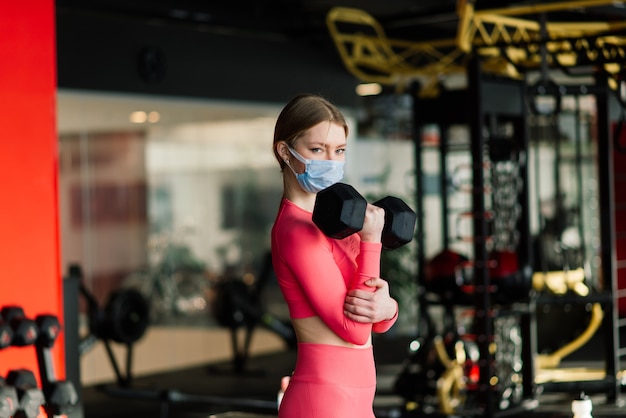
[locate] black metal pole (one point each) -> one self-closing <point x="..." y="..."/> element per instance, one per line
<point x="443" y="184"/>
<point x="419" y="208"/>
<point x="579" y="183"/>
<point x="607" y="233"/>
<point x="71" y="285"/>
<point x="529" y="320"/>
<point x="483" y="327"/>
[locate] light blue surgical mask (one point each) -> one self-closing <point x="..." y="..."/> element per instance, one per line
<point x="318" y="174"/>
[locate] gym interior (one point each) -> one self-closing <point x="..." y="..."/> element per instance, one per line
<point x="140" y="189"/>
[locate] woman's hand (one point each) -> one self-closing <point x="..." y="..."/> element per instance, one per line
<point x="370" y="307"/>
<point x="373" y="224"/>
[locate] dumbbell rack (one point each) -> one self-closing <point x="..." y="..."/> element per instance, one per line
<point x="22" y="396"/>
<point x="489" y="101"/>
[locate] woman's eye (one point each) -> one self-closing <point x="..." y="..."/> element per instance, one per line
<point x="316" y="150"/>
<point x="341" y="151"/>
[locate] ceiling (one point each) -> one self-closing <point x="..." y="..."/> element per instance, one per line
<point x="415" y="21"/>
<point x="299" y="19"/>
<point x="305" y="19"/>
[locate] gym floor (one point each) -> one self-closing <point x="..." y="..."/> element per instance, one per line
<point x="221" y="392"/>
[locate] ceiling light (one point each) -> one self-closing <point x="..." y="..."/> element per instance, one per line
<point x="369" y="89"/>
<point x="138" y="117"/>
<point x="154" y="116"/>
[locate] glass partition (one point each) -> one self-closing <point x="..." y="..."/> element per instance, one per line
<point x="175" y="197"/>
<point x="165" y="195"/>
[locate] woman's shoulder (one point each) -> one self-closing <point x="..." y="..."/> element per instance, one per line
<point x="290" y="213"/>
<point x="294" y="222"/>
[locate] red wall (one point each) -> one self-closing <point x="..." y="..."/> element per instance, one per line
<point x="29" y="246"/>
<point x="619" y="178"/>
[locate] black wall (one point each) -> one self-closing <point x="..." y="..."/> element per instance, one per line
<point x="102" y="52"/>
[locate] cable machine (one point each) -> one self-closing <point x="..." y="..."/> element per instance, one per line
<point x="485" y="361"/>
<point x="483" y="356"/>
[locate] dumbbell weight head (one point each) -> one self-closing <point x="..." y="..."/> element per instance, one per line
<point x="339" y="211"/>
<point x="8" y="400"/>
<point x="399" y="222"/>
<point x="30" y="397"/>
<point x="6" y="334"/>
<point x="61" y="398"/>
<point x="49" y="328"/>
<point x="24" y="329"/>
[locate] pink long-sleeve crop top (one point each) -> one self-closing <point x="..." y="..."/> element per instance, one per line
<point x="315" y="272"/>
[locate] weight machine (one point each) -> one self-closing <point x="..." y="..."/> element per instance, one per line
<point x="490" y="305"/>
<point x="493" y="369"/>
<point x="238" y="305"/>
<point x="124" y="320"/>
<point x="580" y="288"/>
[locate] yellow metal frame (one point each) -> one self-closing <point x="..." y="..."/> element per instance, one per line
<point x="504" y="41"/>
<point x="552" y="361"/>
<point x="372" y="57"/>
<point x="451" y="385"/>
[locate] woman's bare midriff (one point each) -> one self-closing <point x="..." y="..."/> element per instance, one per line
<point x="313" y="330"/>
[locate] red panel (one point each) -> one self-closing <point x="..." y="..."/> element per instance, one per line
<point x="620" y="247"/>
<point x="619" y="178"/>
<point x="28" y="169"/>
<point x="619" y="158"/>
<point x="621" y="284"/>
<point x="620" y="197"/>
<point x="620" y="221"/>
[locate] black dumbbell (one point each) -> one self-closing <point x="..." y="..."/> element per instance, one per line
<point x="24" y="329"/>
<point x="8" y="394"/>
<point x="339" y="211"/>
<point x="6" y="334"/>
<point x="30" y="397"/>
<point x="8" y="400"/>
<point x="60" y="395"/>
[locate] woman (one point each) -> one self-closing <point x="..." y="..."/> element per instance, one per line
<point x="331" y="287"/>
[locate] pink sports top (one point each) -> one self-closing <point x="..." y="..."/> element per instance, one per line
<point x="315" y="272"/>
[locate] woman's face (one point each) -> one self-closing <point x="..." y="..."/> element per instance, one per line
<point x="324" y="141"/>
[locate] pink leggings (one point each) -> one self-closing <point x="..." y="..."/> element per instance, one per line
<point x="331" y="382"/>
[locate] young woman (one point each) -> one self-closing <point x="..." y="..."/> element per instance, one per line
<point x="332" y="287"/>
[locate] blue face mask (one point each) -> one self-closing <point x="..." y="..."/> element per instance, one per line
<point x="318" y="174"/>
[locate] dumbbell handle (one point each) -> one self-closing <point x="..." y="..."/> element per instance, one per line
<point x="66" y="396"/>
<point x="45" y="366"/>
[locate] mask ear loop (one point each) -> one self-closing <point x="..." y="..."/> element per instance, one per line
<point x="288" y="162"/>
<point x="285" y="158"/>
<point x="297" y="155"/>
